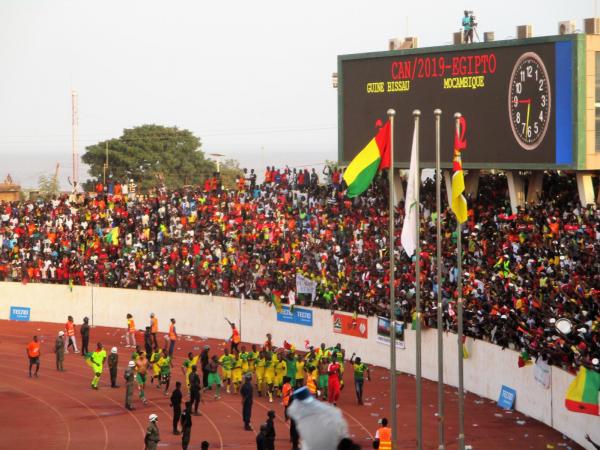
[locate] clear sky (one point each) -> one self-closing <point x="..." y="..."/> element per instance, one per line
<point x="252" y="79"/>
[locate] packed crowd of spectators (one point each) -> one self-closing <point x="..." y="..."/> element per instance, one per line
<point x="521" y="272"/>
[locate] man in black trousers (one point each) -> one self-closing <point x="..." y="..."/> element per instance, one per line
<point x="195" y="386"/>
<point x="270" y="432"/>
<point x="247" y="394"/>
<point x="186" y="425"/>
<point x="176" y="397"/>
<point x="204" y="360"/>
<point x="85" y="336"/>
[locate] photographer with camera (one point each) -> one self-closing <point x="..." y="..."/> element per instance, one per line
<point x="468" y="23"/>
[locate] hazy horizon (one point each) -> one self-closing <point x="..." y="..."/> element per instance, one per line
<point x="252" y="80"/>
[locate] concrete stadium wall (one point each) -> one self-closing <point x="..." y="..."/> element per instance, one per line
<point x="486" y="370"/>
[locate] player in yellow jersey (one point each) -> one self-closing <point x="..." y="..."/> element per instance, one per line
<point x="280" y="372"/>
<point x="259" y="370"/>
<point x="186" y="367"/>
<point x="154" y="358"/>
<point x="300" y="365"/>
<point x="244" y="355"/>
<point x="252" y="357"/>
<point x="226" y="362"/>
<point x="270" y="361"/>
<point x="236" y="373"/>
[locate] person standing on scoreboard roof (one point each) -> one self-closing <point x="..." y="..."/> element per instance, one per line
<point x="235" y="337"/>
<point x="113" y="364"/>
<point x="33" y="353"/>
<point x="129" y="376"/>
<point x="468" y="28"/>
<point x="70" y="330"/>
<point x="85" y="336"/>
<point x="59" y="349"/>
<point x="152" y="437"/>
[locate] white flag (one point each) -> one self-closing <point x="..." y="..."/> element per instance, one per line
<point x="409" y="228"/>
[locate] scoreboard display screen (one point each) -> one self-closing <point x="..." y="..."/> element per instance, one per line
<point x="517" y="98"/>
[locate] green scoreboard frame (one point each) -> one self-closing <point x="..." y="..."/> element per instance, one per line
<point x="523" y="100"/>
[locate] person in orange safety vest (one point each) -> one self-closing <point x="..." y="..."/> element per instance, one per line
<point x="383" y="436"/>
<point x="130" y="332"/>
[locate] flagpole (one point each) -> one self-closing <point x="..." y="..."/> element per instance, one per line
<point x="416" y="115"/>
<point x="461" y="395"/>
<point x="391" y="113"/>
<point x="440" y="317"/>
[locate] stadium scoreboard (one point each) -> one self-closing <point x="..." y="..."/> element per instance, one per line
<point x="518" y="98"/>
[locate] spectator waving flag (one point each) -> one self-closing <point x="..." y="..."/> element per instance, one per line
<point x="375" y="156"/>
<point x="459" y="202"/>
<point x="277" y="301"/>
<point x="112" y="237"/>
<point x="582" y="395"/>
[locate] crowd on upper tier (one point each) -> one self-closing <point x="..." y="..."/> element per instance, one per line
<point x="521" y="271"/>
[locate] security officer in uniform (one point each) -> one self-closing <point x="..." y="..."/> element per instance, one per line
<point x="113" y="363"/>
<point x="247" y="394"/>
<point x="186" y="425"/>
<point x="59" y="348"/>
<point x="129" y="383"/>
<point x="195" y="386"/>
<point x="152" y="434"/>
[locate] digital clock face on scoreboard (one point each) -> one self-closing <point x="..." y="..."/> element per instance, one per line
<point x="529" y="101"/>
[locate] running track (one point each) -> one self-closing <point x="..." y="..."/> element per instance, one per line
<point x="58" y="410"/>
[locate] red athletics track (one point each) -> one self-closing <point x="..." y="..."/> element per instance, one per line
<point x="58" y="410"/>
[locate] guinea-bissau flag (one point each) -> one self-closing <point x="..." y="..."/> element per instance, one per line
<point x="277" y="301"/>
<point x="374" y="157"/>
<point x="582" y="395"/>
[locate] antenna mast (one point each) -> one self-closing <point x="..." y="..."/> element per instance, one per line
<point x="75" y="175"/>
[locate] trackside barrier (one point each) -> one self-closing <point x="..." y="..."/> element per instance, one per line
<point x="486" y="370"/>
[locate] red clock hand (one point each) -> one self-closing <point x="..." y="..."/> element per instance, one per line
<point x="528" y="101"/>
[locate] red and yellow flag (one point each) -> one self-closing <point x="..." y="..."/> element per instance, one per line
<point x="459" y="202"/>
<point x="375" y="156"/>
